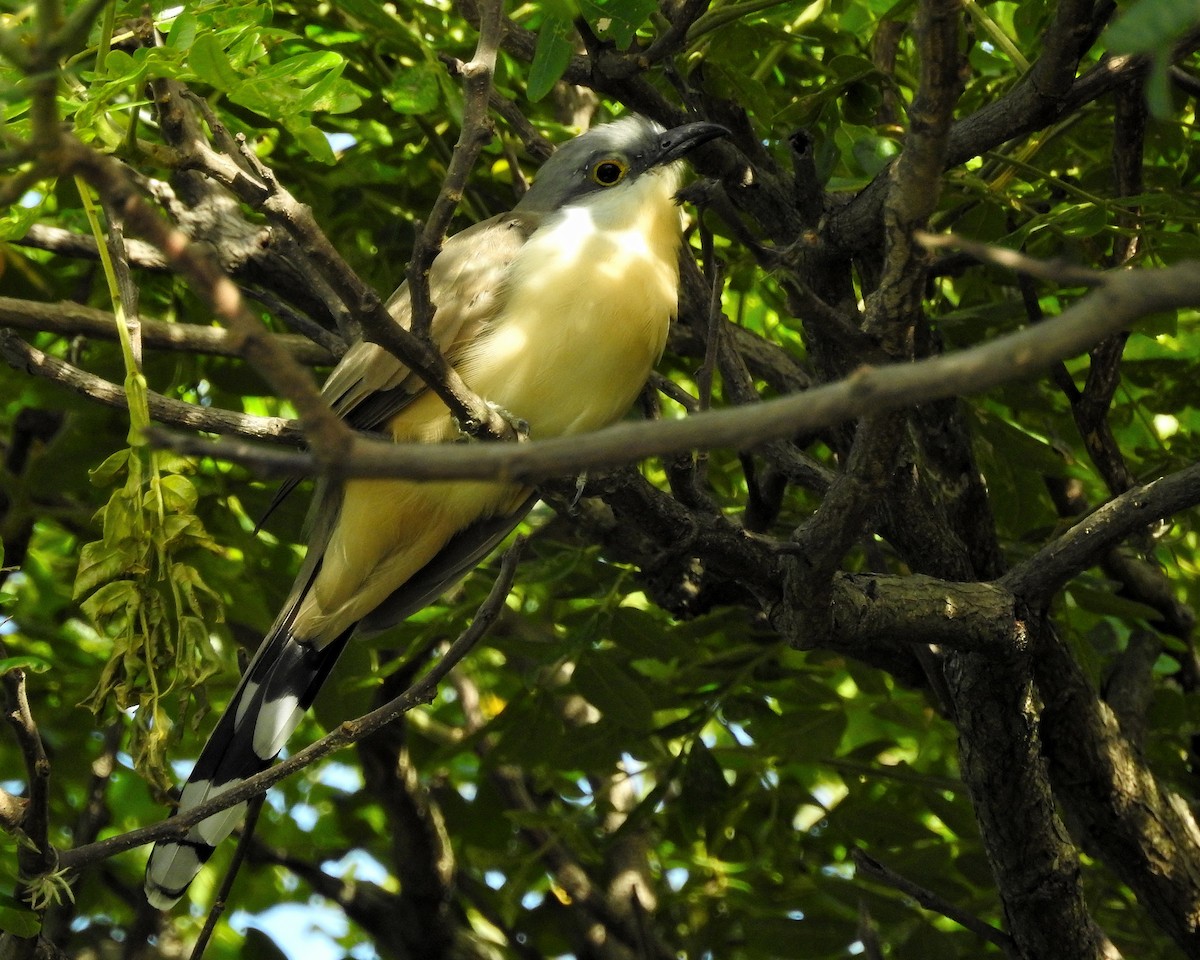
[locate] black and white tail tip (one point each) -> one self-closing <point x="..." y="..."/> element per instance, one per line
<point x="278" y="687"/>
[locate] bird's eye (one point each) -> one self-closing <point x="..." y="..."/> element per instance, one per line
<point x="609" y="172"/>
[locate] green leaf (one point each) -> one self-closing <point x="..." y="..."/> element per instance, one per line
<point x="302" y="69"/>
<point x="1107" y="603"/>
<point x="313" y="141"/>
<point x="32" y="664"/>
<point x="16" y="220"/>
<point x="550" y="57"/>
<point x="1158" y="86"/>
<point x="257" y="945"/>
<point x="1150" y="25"/>
<point x="114" y="464"/>
<point x="112" y="598"/>
<point x="18" y="919"/>
<point x="179" y="493"/>
<point x="119" y="64"/>
<point x="414" y="90"/>
<point x="617" y="20"/>
<point x="182" y="35"/>
<point x="101" y="561"/>
<point x="873" y="153"/>
<point x="1157" y="324"/>
<point x="704" y="791"/>
<point x="614" y="691"/>
<point x="737" y="84"/>
<point x="211" y="64"/>
<point x="330" y="94"/>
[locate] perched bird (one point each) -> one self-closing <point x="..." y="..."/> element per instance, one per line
<point x="556" y="313"/>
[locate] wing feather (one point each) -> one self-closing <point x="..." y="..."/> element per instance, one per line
<point x="370" y="385"/>
<point x="467" y="285"/>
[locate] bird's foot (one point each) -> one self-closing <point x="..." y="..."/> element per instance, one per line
<point x="514" y="427"/>
<point x="518" y="425"/>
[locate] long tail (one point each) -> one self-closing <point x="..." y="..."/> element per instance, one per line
<point x="278" y="687"/>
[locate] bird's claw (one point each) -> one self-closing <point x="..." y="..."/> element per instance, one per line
<point x="580" y="484"/>
<point x="518" y="426"/>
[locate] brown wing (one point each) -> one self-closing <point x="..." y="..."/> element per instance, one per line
<point x="467" y="284"/>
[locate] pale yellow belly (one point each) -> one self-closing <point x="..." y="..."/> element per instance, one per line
<point x="585" y="321"/>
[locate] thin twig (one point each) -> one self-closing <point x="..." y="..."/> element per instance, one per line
<point x="325" y="432"/>
<point x="22" y="356"/>
<point x="475" y="132"/>
<point x="868" y="865"/>
<point x="1057" y="271"/>
<point x="669" y="388"/>
<point x="1038" y="578"/>
<point x="251" y="180"/>
<point x="672" y="40"/>
<point x="715" y="280"/>
<point x="71" y="319"/>
<point x="253" y="809"/>
<point x="42" y="236"/>
<point x="559" y="859"/>
<point x="35" y="858"/>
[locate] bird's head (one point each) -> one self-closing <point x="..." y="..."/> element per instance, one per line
<point x="609" y="157"/>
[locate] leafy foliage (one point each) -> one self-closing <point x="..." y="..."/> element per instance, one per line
<point x="639" y="730"/>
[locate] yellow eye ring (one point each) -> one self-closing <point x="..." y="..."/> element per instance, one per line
<point x="609" y="172"/>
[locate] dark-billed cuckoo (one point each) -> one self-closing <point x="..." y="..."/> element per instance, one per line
<point x="554" y="312"/>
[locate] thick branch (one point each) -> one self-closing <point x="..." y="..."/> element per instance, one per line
<point x="883" y="611"/>
<point x="326" y="432"/>
<point x="1037" y="579"/>
<point x="915" y="178"/>
<point x="1125" y="297"/>
<point x="1036" y="868"/>
<point x="1145" y="834"/>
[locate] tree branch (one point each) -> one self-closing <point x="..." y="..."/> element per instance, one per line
<point x="38" y="856"/>
<point x="1037" y="101"/>
<point x="325" y="432"/>
<point x="894" y="308"/>
<point x="1146" y="834"/>
<point x="875" y="870"/>
<point x="1036" y="868"/>
<point x="1125" y="297"/>
<point x="41" y="236"/>
<point x="875" y="611"/>
<point x="69" y="319"/>
<point x="221" y="899"/>
<point x="22" y="356"/>
<point x="255" y="183"/>
<point x="1037" y="579"/>
<point x="474" y="133"/>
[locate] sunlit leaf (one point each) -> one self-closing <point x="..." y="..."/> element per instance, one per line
<point x="550" y="57"/>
